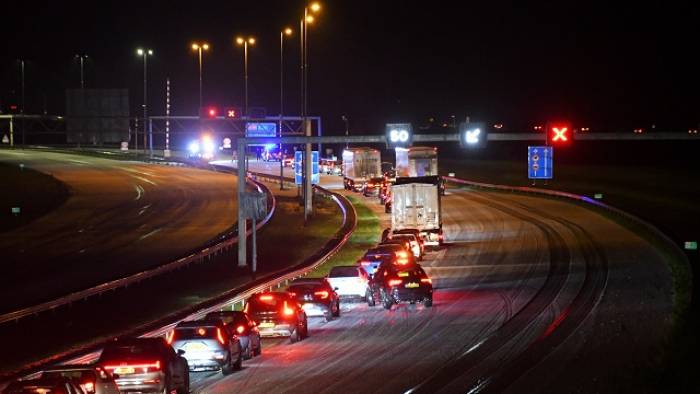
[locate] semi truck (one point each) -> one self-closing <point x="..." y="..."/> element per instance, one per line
<point x="359" y="165"/>
<point x="416" y="205"/>
<point x="416" y="161"/>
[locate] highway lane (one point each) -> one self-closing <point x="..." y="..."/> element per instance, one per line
<point x="527" y="291"/>
<point x="121" y="217"/>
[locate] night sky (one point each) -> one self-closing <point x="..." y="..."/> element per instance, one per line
<point x="601" y="66"/>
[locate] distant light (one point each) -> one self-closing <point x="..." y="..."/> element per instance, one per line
<point x="212" y="111"/>
<point x="227" y="143"/>
<point x="585" y="129"/>
<point x="288" y="31"/>
<point x="240" y="40"/>
<point x="270" y="146"/>
<point x="692" y="131"/>
<point x="473" y="136"/>
<point x="193" y="147"/>
<point x="251" y="41"/>
<point x="150" y="52"/>
<point x="498" y="126"/>
<point x="309" y="19"/>
<point x="139" y="51"/>
<point x="315" y="7"/>
<point x="205" y="46"/>
<point x="638" y="131"/>
<point x="195" y="46"/>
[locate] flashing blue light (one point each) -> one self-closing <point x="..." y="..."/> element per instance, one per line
<point x="193" y="147"/>
<point x="270" y="146"/>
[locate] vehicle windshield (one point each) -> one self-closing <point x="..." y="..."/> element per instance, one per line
<point x="299" y="289"/>
<point x="264" y="303"/>
<point x="194" y="332"/>
<point x="130" y="351"/>
<point x="341" y="272"/>
<point x="227" y="318"/>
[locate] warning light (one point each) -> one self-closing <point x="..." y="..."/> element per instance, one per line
<point x="559" y="134"/>
<point x="212" y="112"/>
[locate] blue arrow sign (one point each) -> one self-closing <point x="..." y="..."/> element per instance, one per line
<point x="299" y="169"/>
<point x="539" y="162"/>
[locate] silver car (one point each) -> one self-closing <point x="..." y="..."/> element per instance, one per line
<point x="207" y="344"/>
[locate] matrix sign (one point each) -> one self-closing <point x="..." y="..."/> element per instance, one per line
<point x="261" y="129"/>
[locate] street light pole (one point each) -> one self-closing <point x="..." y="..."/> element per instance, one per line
<point x="287" y="31"/>
<point x="199" y="48"/>
<point x="347" y="128"/>
<point x="245" y="42"/>
<point x="145" y="53"/>
<point x="307" y="172"/>
<point x="21" y="111"/>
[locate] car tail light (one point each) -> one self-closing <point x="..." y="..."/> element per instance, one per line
<point x="240" y="329"/>
<point x="201" y="331"/>
<point x="394" y="282"/>
<point x="321" y="294"/>
<point x="266" y="297"/>
<point x="293" y="294"/>
<point x="170" y="336"/>
<point x="287" y="310"/>
<point x="365" y="263"/>
<point x="145" y="368"/>
<point x="88" y="387"/>
<point x="426" y="280"/>
<point x="219" y="336"/>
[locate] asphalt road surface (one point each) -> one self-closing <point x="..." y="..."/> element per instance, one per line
<point x="532" y="295"/>
<point x="121" y="217"/>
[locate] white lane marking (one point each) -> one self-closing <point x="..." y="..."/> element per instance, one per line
<point x="149" y="234"/>
<point x="137" y="171"/>
<point x="78" y="161"/>
<point x="139" y="192"/>
<point x="145" y="180"/>
<point x="144" y="209"/>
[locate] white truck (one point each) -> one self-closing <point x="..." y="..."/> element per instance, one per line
<point x="416" y="205"/>
<point x="416" y="161"/>
<point x="359" y="165"/>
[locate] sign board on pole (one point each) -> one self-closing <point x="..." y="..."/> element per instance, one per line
<point x="691" y="245"/>
<point x="260" y="129"/>
<point x="124" y="146"/>
<point x="253" y="204"/>
<point x="15" y="210"/>
<point x="299" y="168"/>
<point x="539" y="162"/>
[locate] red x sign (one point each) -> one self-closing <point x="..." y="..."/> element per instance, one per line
<point x="560" y="134"/>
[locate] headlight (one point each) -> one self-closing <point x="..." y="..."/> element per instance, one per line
<point x="194" y="147"/>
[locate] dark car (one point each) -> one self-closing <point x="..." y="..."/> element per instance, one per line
<point x="244" y="327"/>
<point x="146" y="365"/>
<point x="372" y="186"/>
<point x="207" y="344"/>
<point x="393" y="283"/>
<point x="405" y="244"/>
<point x="92" y="379"/>
<point x="48" y="385"/>
<point x="374" y="257"/>
<point x="277" y="313"/>
<point x="316" y="297"/>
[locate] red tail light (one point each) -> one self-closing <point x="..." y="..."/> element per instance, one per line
<point x="88" y="387"/>
<point x="240" y="329"/>
<point x="266" y="297"/>
<point x="170" y="336"/>
<point x="219" y="336"/>
<point x="145" y="368"/>
<point x="321" y="294"/>
<point x="426" y="280"/>
<point x="287" y="310"/>
<point x="394" y="282"/>
<point x="365" y="263"/>
<point x="293" y="294"/>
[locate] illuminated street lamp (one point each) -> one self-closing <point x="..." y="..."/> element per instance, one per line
<point x="199" y="47"/>
<point x="145" y="53"/>
<point x="245" y="42"/>
<point x="286" y="32"/>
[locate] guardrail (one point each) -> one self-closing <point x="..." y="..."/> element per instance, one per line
<point x="221" y="242"/>
<point x="229" y="299"/>
<point x="577" y="197"/>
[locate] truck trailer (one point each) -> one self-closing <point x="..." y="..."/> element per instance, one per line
<point x="416" y="205"/>
<point x="359" y="165"/>
<point x="416" y="161"/>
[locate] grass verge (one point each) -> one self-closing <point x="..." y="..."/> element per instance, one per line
<point x="35" y="193"/>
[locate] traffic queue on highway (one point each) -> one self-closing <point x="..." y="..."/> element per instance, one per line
<point x="388" y="273"/>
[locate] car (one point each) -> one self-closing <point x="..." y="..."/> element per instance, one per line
<point x="374" y="257"/>
<point x="316" y="296"/>
<point x="402" y="258"/>
<point x="207" y="344"/>
<point x="48" y="385"/>
<point x="245" y="328"/>
<point x="146" y="365"/>
<point x="277" y="313"/>
<point x="414" y="243"/>
<point x="413" y="231"/>
<point x="91" y="379"/>
<point x="348" y="281"/>
<point x="394" y="283"/>
<point x="372" y="186"/>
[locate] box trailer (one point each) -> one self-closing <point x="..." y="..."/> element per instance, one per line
<point x="416" y="161"/>
<point x="416" y="205"/>
<point x="359" y="165"/>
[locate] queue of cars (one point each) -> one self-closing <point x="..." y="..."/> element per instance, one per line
<point x="388" y="274"/>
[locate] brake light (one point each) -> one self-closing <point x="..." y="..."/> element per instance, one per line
<point x="266" y="297"/>
<point x="144" y="367"/>
<point x="240" y="329"/>
<point x="170" y="336"/>
<point x="395" y="282"/>
<point x="426" y="280"/>
<point x="219" y="336"/>
<point x="322" y="294"/>
<point x="201" y="331"/>
<point x="88" y="387"/>
<point x="293" y="294"/>
<point x="287" y="310"/>
<point x="365" y="263"/>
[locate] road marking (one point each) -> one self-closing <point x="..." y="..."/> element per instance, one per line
<point x="137" y="171"/>
<point x="79" y="161"/>
<point x="144" y="209"/>
<point x="139" y="192"/>
<point x="145" y="180"/>
<point x="149" y="234"/>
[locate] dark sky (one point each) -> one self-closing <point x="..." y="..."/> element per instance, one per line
<point x="600" y="65"/>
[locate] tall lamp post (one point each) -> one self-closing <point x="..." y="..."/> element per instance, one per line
<point x="286" y="32"/>
<point x="81" y="59"/>
<point x="199" y="47"/>
<point x="347" y="128"/>
<point x="145" y="53"/>
<point x="241" y="41"/>
<point x="308" y="191"/>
